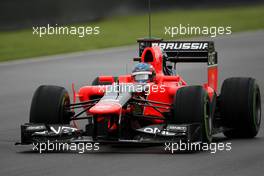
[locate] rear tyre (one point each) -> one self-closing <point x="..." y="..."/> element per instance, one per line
<point x="48" y="105"/>
<point x="192" y="105"/>
<point x="241" y="107"/>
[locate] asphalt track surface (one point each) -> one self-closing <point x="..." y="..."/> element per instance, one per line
<point x="239" y="55"/>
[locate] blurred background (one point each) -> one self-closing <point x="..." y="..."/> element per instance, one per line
<point x="16" y="14"/>
<point x="121" y="22"/>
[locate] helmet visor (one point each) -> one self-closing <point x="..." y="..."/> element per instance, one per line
<point x="141" y="77"/>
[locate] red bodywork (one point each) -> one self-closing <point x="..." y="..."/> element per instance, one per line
<point x="171" y="84"/>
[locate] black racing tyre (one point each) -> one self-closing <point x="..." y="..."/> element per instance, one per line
<point x="96" y="82"/>
<point x="240" y="107"/>
<point x="48" y="105"/>
<point x="192" y="105"/>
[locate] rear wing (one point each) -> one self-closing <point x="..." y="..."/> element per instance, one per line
<point x="183" y="51"/>
<point x="186" y="52"/>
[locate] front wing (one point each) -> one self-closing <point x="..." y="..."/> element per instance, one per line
<point x="153" y="134"/>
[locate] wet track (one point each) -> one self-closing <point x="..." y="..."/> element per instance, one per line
<point x="239" y="55"/>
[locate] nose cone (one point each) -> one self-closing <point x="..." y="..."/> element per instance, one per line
<point x="105" y="108"/>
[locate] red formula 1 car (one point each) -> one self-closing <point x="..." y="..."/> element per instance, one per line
<point x="151" y="105"/>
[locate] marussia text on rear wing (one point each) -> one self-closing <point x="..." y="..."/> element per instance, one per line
<point x="183" y="51"/>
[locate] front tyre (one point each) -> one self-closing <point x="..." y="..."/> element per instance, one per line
<point x="48" y="105"/>
<point x="241" y="107"/>
<point x="192" y="105"/>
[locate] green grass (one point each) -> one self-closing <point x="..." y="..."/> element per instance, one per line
<point x="125" y="30"/>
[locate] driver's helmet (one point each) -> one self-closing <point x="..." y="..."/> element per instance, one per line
<point x="143" y="73"/>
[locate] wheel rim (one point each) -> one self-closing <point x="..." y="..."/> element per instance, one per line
<point x="65" y="102"/>
<point x="208" y="120"/>
<point x="257" y="109"/>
